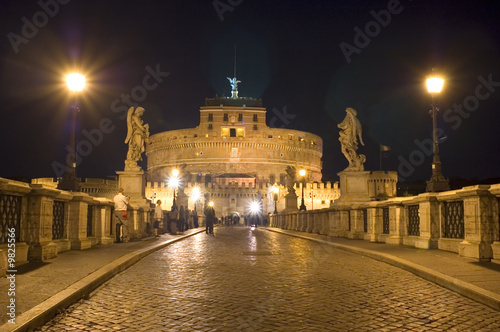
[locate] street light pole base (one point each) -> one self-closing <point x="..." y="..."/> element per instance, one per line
<point x="438" y="185"/>
<point x="69" y="182"/>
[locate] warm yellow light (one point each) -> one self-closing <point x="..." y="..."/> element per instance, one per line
<point x="276" y="189"/>
<point x="254" y="207"/>
<point x="195" y="194"/>
<point x="302" y="172"/>
<point x="173" y="182"/>
<point x="211" y="204"/>
<point x="76" y="82"/>
<point x="434" y="84"/>
<point x="175" y="172"/>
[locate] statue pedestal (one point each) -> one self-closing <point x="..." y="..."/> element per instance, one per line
<point x="134" y="183"/>
<point x="181" y="199"/>
<point x="291" y="202"/>
<point x="353" y="187"/>
<point x="365" y="186"/>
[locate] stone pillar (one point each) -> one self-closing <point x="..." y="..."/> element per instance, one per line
<point x="291" y="202"/>
<point x="375" y="220"/>
<point x="103" y="221"/>
<point x="357" y="229"/>
<point x="303" y="221"/>
<point x="78" y="221"/>
<point x="479" y="222"/>
<point x="134" y="185"/>
<point x="316" y="222"/>
<point x="310" y="221"/>
<point x="39" y="220"/>
<point x="325" y="225"/>
<point x="429" y="221"/>
<point x="396" y="224"/>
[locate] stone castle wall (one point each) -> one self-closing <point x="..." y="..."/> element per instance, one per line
<point x="255" y="148"/>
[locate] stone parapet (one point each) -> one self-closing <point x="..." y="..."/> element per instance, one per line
<point x="464" y="221"/>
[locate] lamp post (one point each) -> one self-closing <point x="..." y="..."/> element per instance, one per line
<point x="76" y="83"/>
<point x="437" y="181"/>
<point x="276" y="191"/>
<point x="302" y="173"/>
<point x="174" y="183"/>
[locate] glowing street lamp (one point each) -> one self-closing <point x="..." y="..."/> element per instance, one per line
<point x="302" y="173"/>
<point x="276" y="191"/>
<point x="437" y="181"/>
<point x="195" y="196"/>
<point x="255" y="207"/>
<point x="76" y="83"/>
<point x="174" y="183"/>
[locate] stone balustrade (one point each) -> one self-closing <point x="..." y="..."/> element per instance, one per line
<point x="464" y="221"/>
<point x="46" y="221"/>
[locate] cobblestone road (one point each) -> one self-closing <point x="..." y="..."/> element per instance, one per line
<point x="241" y="280"/>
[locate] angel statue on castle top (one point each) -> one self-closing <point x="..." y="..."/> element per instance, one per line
<point x="234" y="83"/>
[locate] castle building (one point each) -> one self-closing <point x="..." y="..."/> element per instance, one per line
<point x="233" y="144"/>
<point x="235" y="158"/>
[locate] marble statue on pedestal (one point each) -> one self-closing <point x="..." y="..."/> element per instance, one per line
<point x="349" y="134"/>
<point x="137" y="137"/>
<point x="291" y="175"/>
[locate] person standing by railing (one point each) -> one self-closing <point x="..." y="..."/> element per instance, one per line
<point x="121" y="204"/>
<point x="158" y="217"/>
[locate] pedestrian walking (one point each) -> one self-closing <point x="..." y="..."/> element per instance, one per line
<point x="158" y="217"/>
<point x="186" y="219"/>
<point x="182" y="220"/>
<point x="190" y="219"/>
<point x="173" y="216"/>
<point x="209" y="219"/>
<point x="195" y="219"/>
<point x="121" y="204"/>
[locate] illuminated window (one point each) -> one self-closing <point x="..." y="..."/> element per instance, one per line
<point x="240" y="132"/>
<point x="225" y="132"/>
<point x="210" y="117"/>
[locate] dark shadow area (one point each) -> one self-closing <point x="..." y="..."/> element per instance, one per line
<point x="488" y="265"/>
<point x="30" y="266"/>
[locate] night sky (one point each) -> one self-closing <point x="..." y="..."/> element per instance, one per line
<point x="307" y="60"/>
